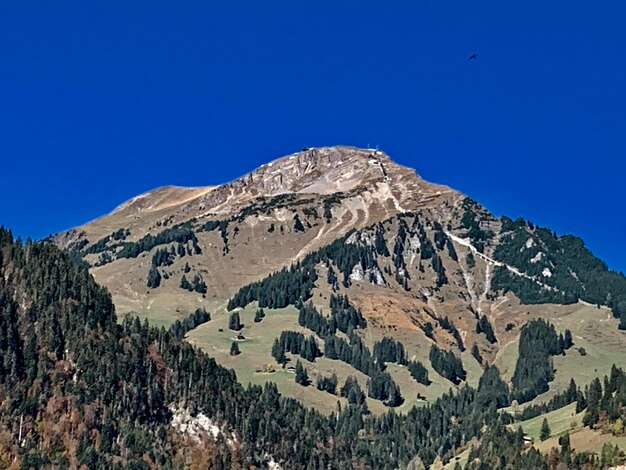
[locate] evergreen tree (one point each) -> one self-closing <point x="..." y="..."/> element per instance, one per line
<point x="259" y="315"/>
<point x="447" y="365"/>
<point x="564" y="442"/>
<point x="492" y="389"/>
<point x="418" y="372"/>
<point x="180" y="327"/>
<point x="593" y="397"/>
<point x="545" y="430"/>
<point x="198" y="285"/>
<point x="447" y="325"/>
<point x="297" y="224"/>
<point x="534" y="370"/>
<point x="331" y="278"/>
<point x="470" y="260"/>
<point x="310" y="350"/>
<point x="154" y="278"/>
<point x="185" y="284"/>
<point x="278" y="353"/>
<point x="234" y="323"/>
<point x="328" y="384"/>
<point x="352" y="391"/>
<point x="302" y="377"/>
<point x="234" y="348"/>
<point x="483" y="326"/>
<point x="476" y="353"/>
<point x="379" y="241"/>
<point x="568" y="342"/>
<point x="394" y="397"/>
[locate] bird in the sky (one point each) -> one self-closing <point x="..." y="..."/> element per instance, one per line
<point x="473" y="56"/>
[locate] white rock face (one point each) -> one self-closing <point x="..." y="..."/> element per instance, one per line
<point x="357" y="273"/>
<point x="529" y="244"/>
<point x="363" y="238"/>
<point x="413" y="248"/>
<point x="537" y="257"/>
<point x="546" y="272"/>
<point x="194" y="426"/>
<point x="352" y="239"/>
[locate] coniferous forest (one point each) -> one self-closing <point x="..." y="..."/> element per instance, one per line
<point x="115" y="387"/>
<point x="82" y="387"/>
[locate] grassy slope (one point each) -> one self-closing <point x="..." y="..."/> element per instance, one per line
<point x="567" y="420"/>
<point x="593" y="329"/>
<point x="585" y="440"/>
<point x="560" y="421"/>
<point x="256" y="353"/>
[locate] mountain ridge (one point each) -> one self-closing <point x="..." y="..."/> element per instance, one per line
<point x="324" y="170"/>
<point x="424" y="264"/>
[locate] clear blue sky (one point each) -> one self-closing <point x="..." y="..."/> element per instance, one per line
<point x="100" y="101"/>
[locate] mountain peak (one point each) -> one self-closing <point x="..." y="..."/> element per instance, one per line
<point x="369" y="183"/>
<point x="323" y="170"/>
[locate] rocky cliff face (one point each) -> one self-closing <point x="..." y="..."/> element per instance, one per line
<point x="382" y="183"/>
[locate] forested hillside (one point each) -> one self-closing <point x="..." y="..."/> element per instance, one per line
<point x="332" y="278"/>
<point x="114" y="387"/>
<point x="560" y="269"/>
<point x="79" y="388"/>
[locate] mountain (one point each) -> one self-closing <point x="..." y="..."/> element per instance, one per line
<point x="331" y="190"/>
<point x="355" y="266"/>
<point x="399" y="314"/>
<point x="80" y="388"/>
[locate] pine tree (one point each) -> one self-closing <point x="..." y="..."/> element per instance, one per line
<point x="476" y="353"/>
<point x="328" y="384"/>
<point x="568" y="341"/>
<point x="469" y="260"/>
<point x="492" y="389"/>
<point x="278" y="353"/>
<point x="154" y="277"/>
<point x="234" y="349"/>
<point x="545" y="430"/>
<point x="185" y="284"/>
<point x="394" y="397"/>
<point x="234" y="323"/>
<point x="259" y="315"/>
<point x="483" y="326"/>
<point x="198" y="285"/>
<point x="297" y="224"/>
<point x="331" y="278"/>
<point x="352" y="391"/>
<point x="302" y="377"/>
<point x="418" y="372"/>
<point x="581" y="402"/>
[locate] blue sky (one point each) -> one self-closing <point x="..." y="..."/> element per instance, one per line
<point x="101" y="102"/>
